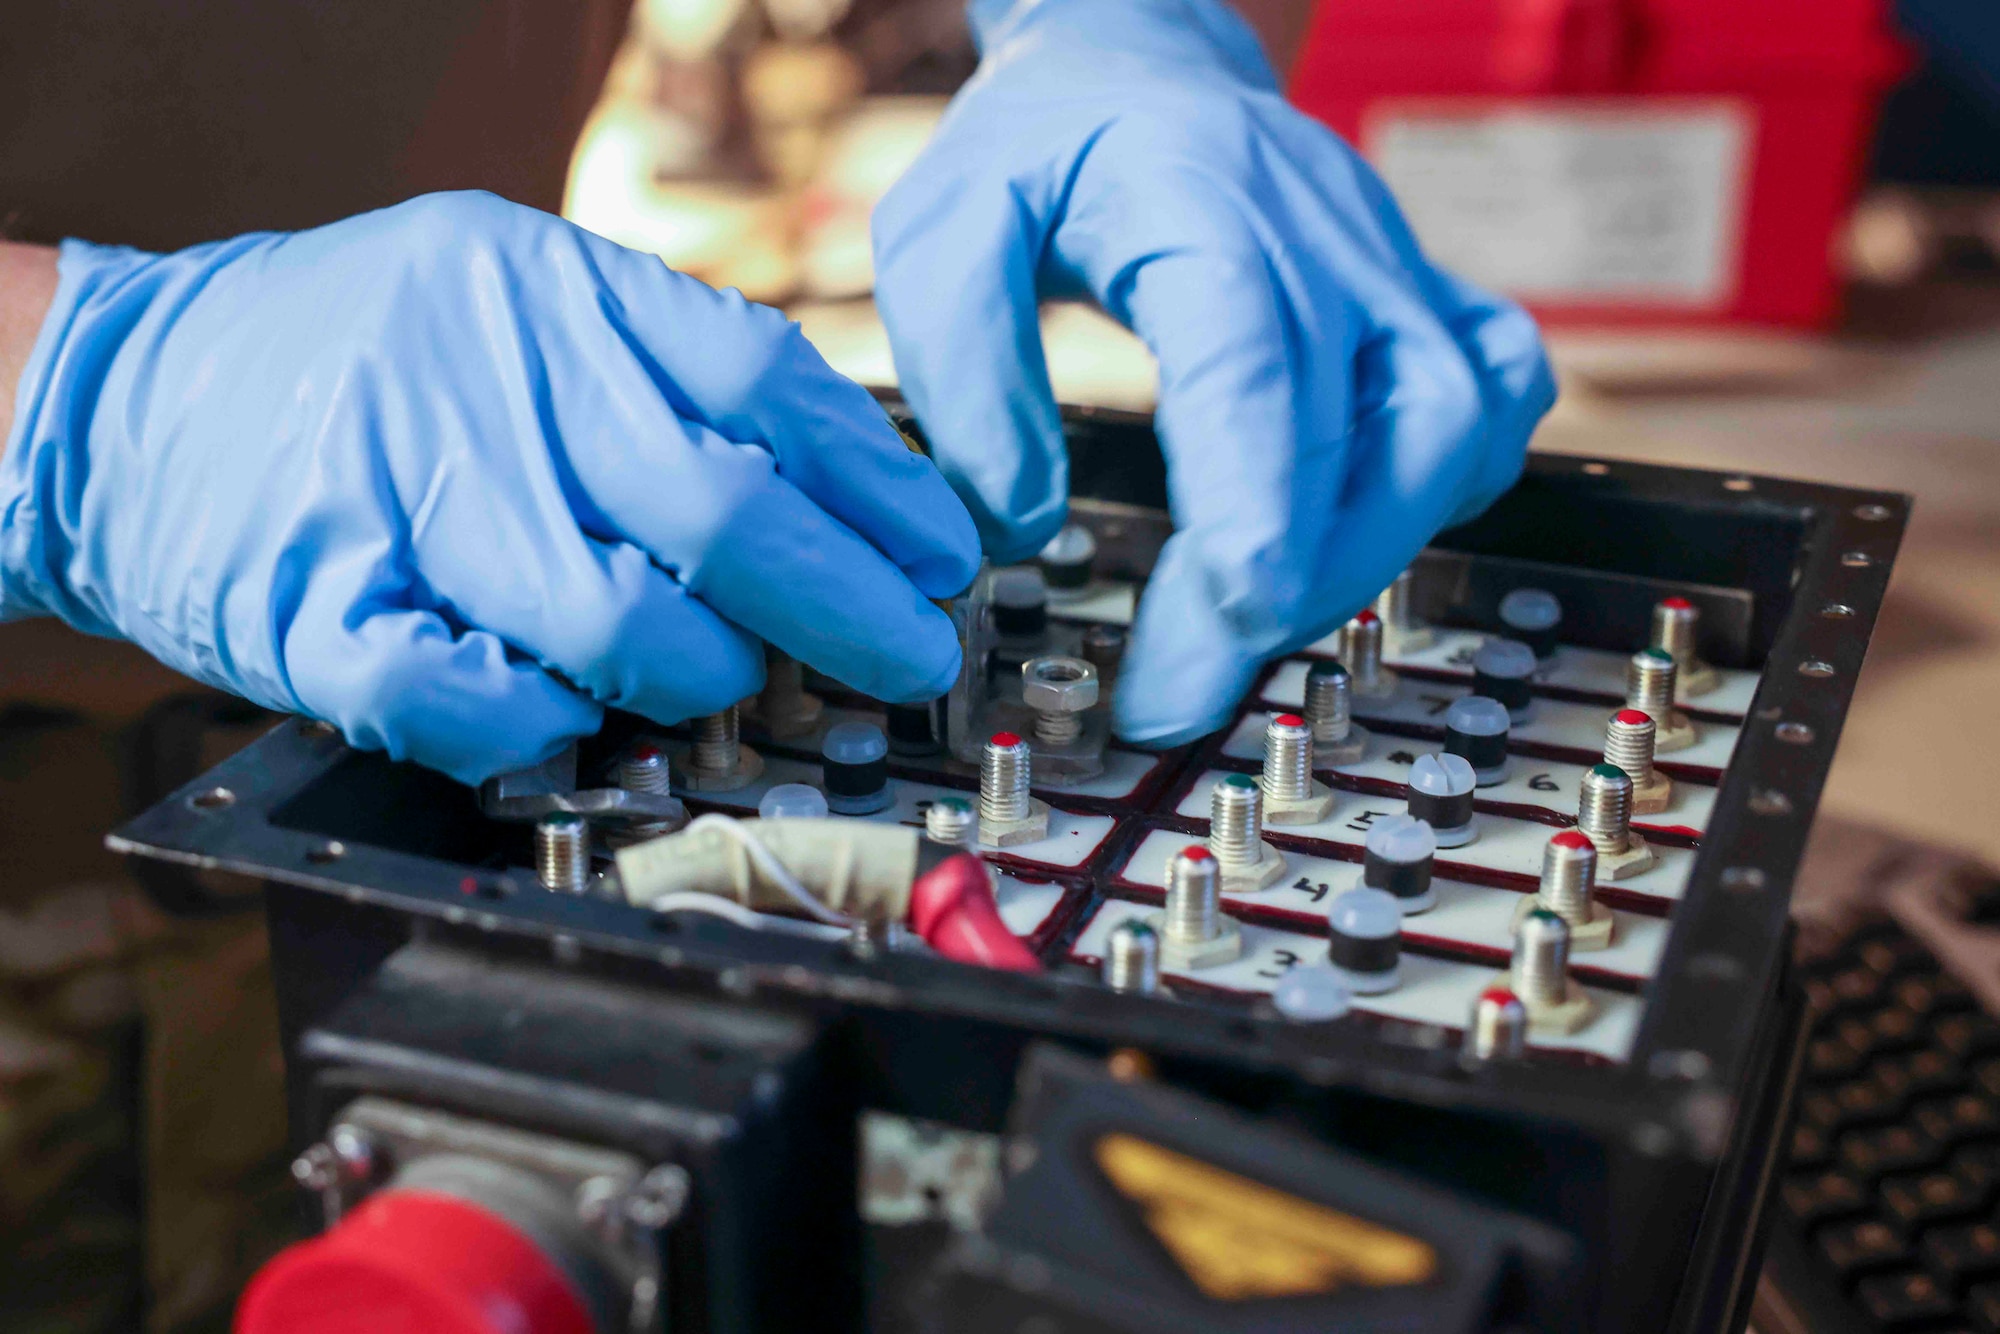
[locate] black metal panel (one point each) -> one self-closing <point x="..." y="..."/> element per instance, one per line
<point x="1654" y="1168"/>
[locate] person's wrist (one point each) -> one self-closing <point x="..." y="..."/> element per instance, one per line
<point x="62" y="329"/>
<point x="29" y="281"/>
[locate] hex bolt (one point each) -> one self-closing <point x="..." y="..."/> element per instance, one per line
<point x="1675" y="621"/>
<point x="719" y="761"/>
<point x="717" y="740"/>
<point x="1404" y="631"/>
<point x="1132" y="958"/>
<point x="1236" y="821"/>
<point x="1236" y="834"/>
<point x="1604" y="815"/>
<point x="1650" y="676"/>
<point x="1569" y="878"/>
<point x="1541" y="960"/>
<point x="1193" y="931"/>
<point x="1629" y="740"/>
<point x="1628" y="743"/>
<point x="1604" y="811"/>
<point x="1291" y="794"/>
<point x="1008" y="811"/>
<point x="786" y="707"/>
<point x="1540" y="975"/>
<point x="1362" y="652"/>
<point x="1194" y="896"/>
<point x="951" y="822"/>
<point x="1329" y="711"/>
<point x="1004" y="777"/>
<point x="1288" y="754"/>
<point x="1499" y="1027"/>
<point x="1059" y="690"/>
<point x="562" y="853"/>
<point x="644" y="768"/>
<point x="1651" y="683"/>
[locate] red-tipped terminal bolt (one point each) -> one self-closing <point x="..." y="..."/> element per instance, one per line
<point x="1195" y="852"/>
<point x="1632" y="717"/>
<point x="1677" y="603"/>
<point x="1366" y="616"/>
<point x="1289" y="720"/>
<point x="1572" y="838"/>
<point x="1006" y="739"/>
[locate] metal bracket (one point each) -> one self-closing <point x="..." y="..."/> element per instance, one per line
<point x="619" y="1208"/>
<point x="549" y="788"/>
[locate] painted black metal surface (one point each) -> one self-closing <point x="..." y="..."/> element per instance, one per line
<point x="1654" y="1169"/>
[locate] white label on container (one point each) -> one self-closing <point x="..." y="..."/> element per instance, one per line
<point x="1598" y="203"/>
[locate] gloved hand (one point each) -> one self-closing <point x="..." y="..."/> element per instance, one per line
<point x="456" y="475"/>
<point x="1328" y="400"/>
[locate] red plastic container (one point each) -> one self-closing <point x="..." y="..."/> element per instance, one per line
<point x="1615" y="162"/>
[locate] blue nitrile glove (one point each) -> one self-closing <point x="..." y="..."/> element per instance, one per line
<point x="1328" y="400"/>
<point x="456" y="475"/>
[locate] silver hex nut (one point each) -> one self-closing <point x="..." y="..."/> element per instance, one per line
<point x="1056" y="684"/>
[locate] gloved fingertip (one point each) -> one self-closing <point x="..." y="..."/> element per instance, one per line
<point x="1170" y="694"/>
<point x="539" y="723"/>
<point x="922" y="679"/>
<point x="1136" y="734"/>
<point x="473" y="770"/>
<point x="1010" y="539"/>
<point x="946" y="574"/>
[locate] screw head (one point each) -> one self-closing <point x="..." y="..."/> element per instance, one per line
<point x="1770" y="801"/>
<point x="317" y="1169"/>
<point x="1743" y="879"/>
<point x="355" y="1154"/>
<point x="658" y="1198"/>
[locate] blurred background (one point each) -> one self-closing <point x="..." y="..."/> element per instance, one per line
<point x="1762" y="238"/>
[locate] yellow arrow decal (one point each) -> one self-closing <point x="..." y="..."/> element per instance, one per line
<point x="1239" y="1239"/>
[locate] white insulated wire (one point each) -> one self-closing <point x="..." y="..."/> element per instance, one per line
<point x="774" y="870"/>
